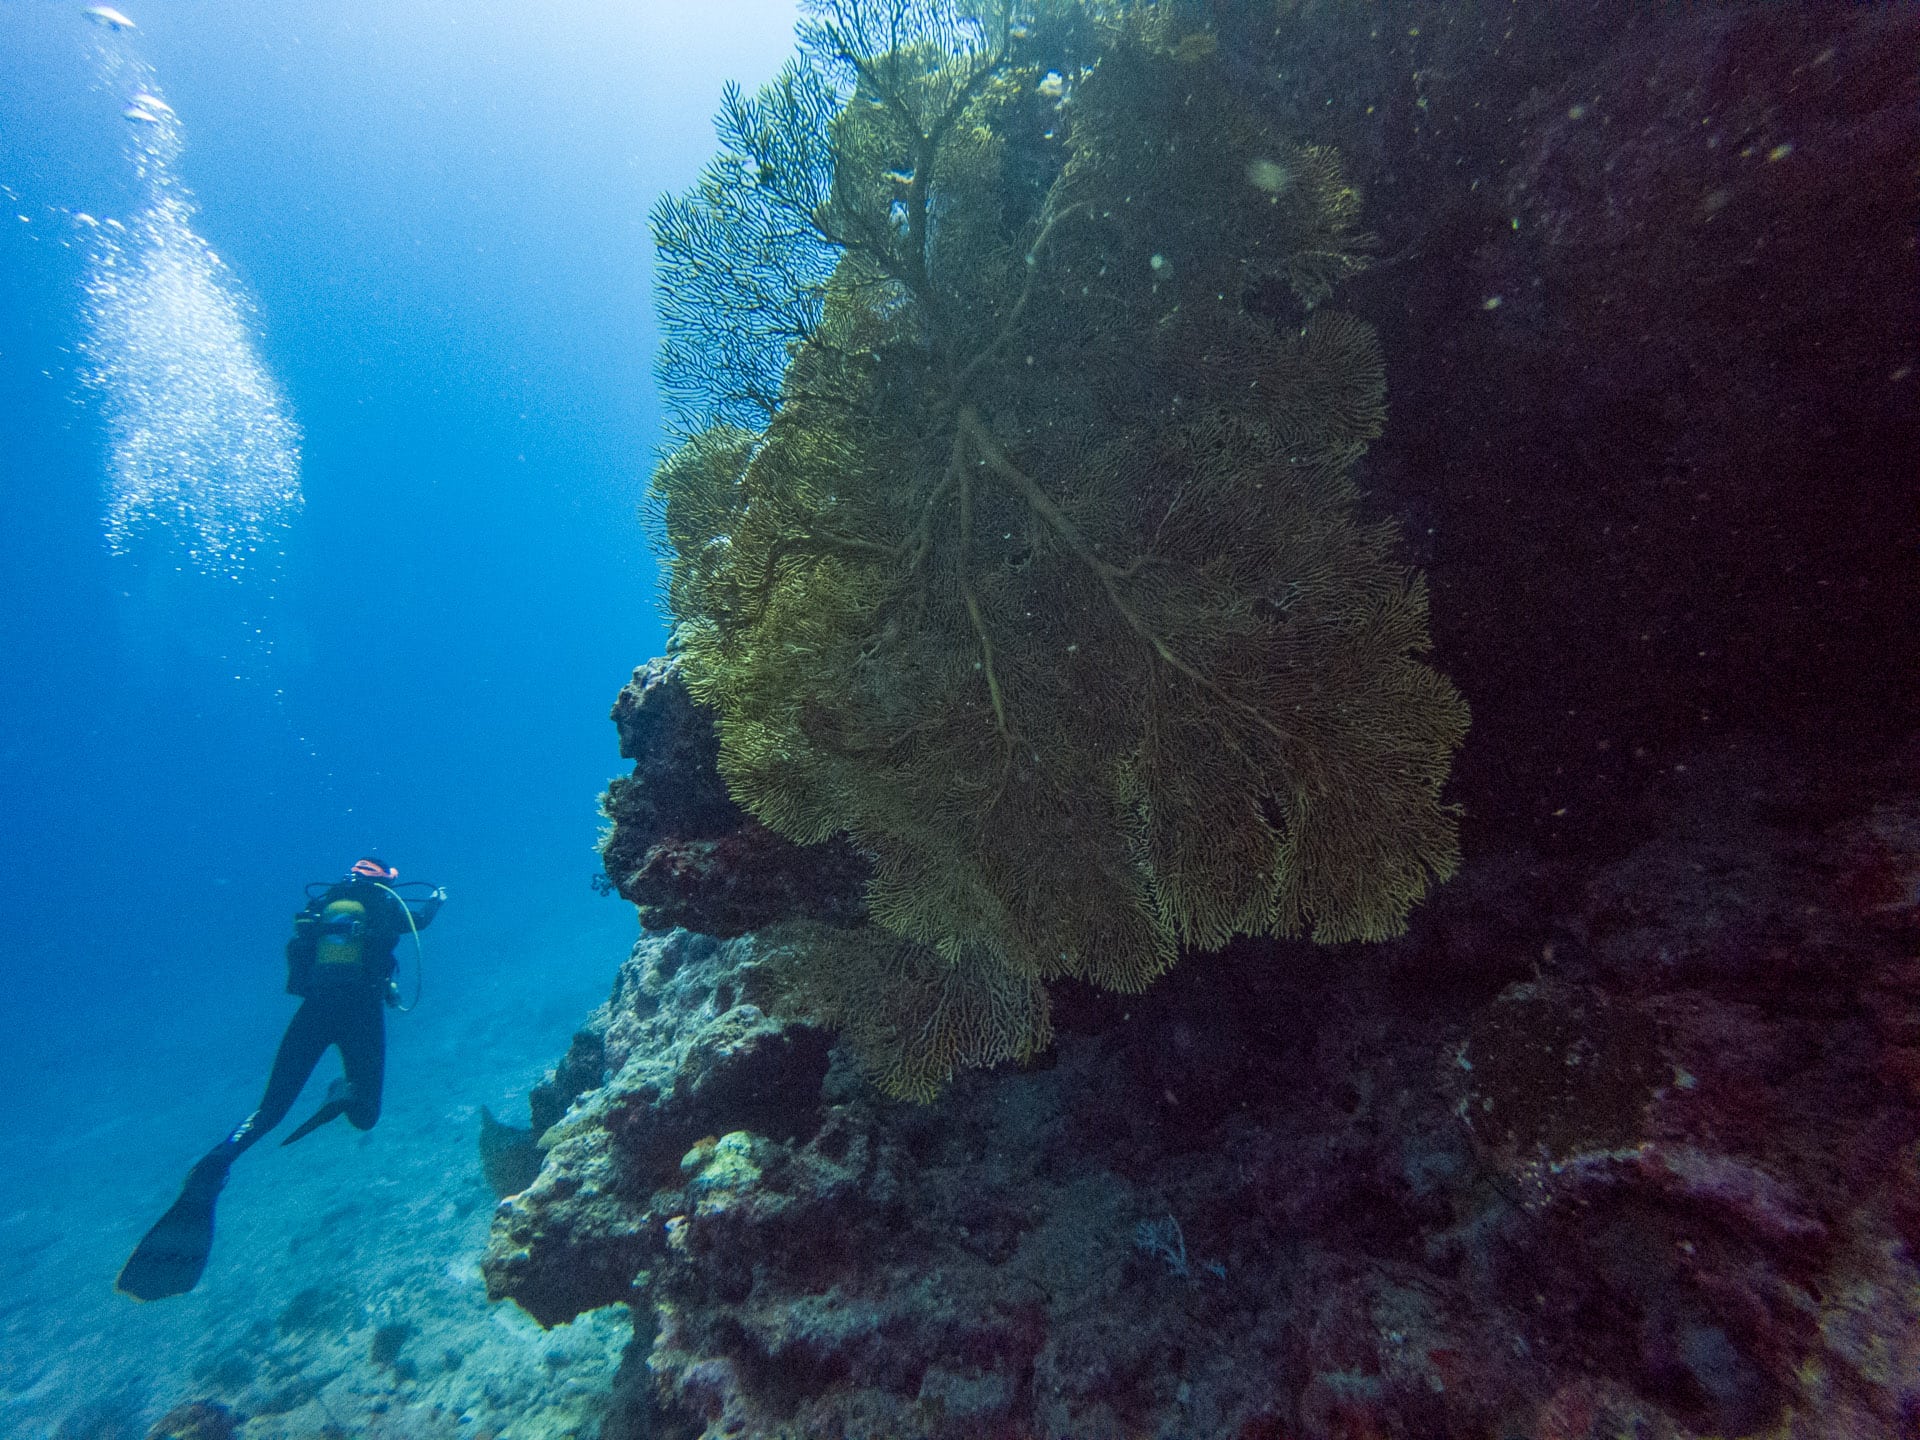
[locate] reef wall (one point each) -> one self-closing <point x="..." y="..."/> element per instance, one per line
<point x="1574" y="1156"/>
<point x="1624" y="1135"/>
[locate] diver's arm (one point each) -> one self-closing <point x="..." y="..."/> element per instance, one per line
<point x="428" y="907"/>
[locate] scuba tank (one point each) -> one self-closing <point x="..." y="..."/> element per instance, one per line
<point x="338" y="947"/>
<point x="330" y="946"/>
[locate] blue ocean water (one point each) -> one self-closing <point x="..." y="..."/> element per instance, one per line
<point x="326" y="405"/>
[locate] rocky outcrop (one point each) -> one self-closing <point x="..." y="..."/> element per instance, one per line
<point x="582" y="1068"/>
<point x="1647" y="298"/>
<point x="511" y="1155"/>
<point x="1646" y="293"/>
<point x="688" y="1055"/>
<point x="1644" y="1155"/>
<point x="1624" y="1137"/>
<point x="683" y="852"/>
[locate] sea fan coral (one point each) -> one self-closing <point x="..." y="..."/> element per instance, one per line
<point x="1013" y="531"/>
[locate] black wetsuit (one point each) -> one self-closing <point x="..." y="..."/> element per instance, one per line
<point x="344" y="1009"/>
<point x="341" y="966"/>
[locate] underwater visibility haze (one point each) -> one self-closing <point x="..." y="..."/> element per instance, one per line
<point x="326" y="406"/>
<point x="1263" y="721"/>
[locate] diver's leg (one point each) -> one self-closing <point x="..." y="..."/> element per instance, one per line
<point x="363" y="1051"/>
<point x="171" y="1257"/>
<point x="358" y="1027"/>
<point x="308" y="1035"/>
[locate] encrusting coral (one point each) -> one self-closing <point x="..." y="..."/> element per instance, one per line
<point x="1012" y="528"/>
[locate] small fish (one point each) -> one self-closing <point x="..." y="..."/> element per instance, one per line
<point x="147" y="100"/>
<point x="106" y="15"/>
<point x="143" y="117"/>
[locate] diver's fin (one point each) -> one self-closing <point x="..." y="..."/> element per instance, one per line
<point x="171" y="1256"/>
<point x="339" y="1097"/>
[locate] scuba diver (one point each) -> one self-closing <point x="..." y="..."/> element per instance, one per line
<point x="340" y="964"/>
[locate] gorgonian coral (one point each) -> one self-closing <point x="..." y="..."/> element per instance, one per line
<point x="1013" y="530"/>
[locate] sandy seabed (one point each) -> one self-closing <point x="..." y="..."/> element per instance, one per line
<point x="344" y="1293"/>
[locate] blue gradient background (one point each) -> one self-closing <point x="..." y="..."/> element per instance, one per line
<point x="440" y="214"/>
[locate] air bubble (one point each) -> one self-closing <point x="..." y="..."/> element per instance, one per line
<point x="203" y="456"/>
